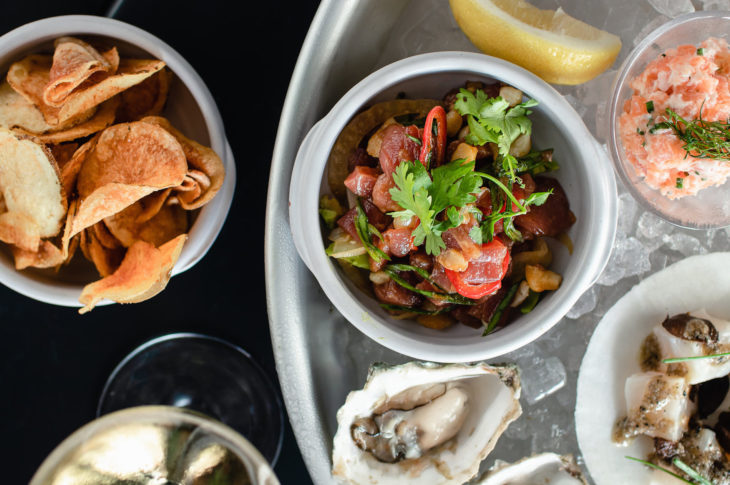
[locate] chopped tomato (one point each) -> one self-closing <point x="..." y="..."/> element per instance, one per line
<point x="484" y="274"/>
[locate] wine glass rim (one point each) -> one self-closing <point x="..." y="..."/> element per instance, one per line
<point x="240" y="445"/>
<point x="197" y="336"/>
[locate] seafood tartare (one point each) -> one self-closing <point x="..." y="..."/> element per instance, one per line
<point x="674" y="128"/>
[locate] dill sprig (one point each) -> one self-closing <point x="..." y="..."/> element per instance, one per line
<point x="701" y="138"/>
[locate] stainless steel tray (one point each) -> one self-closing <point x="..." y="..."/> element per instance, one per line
<point x="319" y="356"/>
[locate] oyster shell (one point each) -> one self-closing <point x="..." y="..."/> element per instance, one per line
<point x="419" y="423"/>
<point x="545" y="469"/>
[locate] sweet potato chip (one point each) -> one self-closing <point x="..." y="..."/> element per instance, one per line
<point x="129" y="73"/>
<point x="144" y="272"/>
<point x="103" y="117"/>
<point x="362" y="124"/>
<point x="207" y="170"/>
<point x="146" y="98"/>
<point x="128" y="162"/>
<point x="18" y="229"/>
<point x="30" y="182"/>
<point x="169" y="222"/>
<point x="47" y="256"/>
<point x="74" y="62"/>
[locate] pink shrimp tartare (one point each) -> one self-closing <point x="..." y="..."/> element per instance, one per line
<point x="680" y="106"/>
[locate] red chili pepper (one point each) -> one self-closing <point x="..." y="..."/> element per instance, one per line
<point x="489" y="268"/>
<point x="440" y="115"/>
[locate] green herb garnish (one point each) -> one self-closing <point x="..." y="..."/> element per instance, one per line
<point x="500" y="309"/>
<point x="650" y="106"/>
<point x="691" y="472"/>
<point x="485" y="232"/>
<point x="537" y="162"/>
<point x="414" y="139"/>
<point x="680" y="182"/>
<point x="492" y="120"/>
<point x="364" y="230"/>
<point x="698" y="479"/>
<point x="453" y="185"/>
<point x="446" y="297"/>
<point x="701" y="138"/>
<point x="700" y="51"/>
<point x="674" y="360"/>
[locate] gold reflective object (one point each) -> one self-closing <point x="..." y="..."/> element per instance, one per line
<point x="155" y="445"/>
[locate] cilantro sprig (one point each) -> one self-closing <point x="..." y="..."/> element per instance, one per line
<point x="453" y="186"/>
<point x="425" y="196"/>
<point x="485" y="231"/>
<point x="492" y="120"/>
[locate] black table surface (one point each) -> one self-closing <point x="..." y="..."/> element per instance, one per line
<point x="54" y="362"/>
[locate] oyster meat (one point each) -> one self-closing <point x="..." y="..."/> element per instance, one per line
<point x="422" y="423"/>
<point x="543" y="469"/>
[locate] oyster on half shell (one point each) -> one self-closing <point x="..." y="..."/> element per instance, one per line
<point x="420" y="423"/>
<point x="543" y="469"/>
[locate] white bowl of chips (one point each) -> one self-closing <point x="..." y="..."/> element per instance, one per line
<point x="189" y="108"/>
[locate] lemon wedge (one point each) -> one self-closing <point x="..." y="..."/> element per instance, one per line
<point x="550" y="43"/>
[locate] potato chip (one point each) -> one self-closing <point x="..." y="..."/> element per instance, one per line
<point x="18" y="112"/>
<point x="106" y="260"/>
<point x="106" y="238"/>
<point x="103" y="117"/>
<point x="74" y="63"/>
<point x="362" y="124"/>
<point x="169" y="222"/>
<point x="144" y="272"/>
<point x="30" y="182"/>
<point x="152" y="204"/>
<point x="128" y="162"/>
<point x="47" y="256"/>
<point x="146" y="98"/>
<point x="130" y="72"/>
<point x="70" y="170"/>
<point x="62" y="153"/>
<point x="29" y="77"/>
<point x="18" y="229"/>
<point x="207" y="170"/>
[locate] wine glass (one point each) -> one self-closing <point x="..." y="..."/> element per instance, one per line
<point x="205" y="374"/>
<point x="155" y="445"/>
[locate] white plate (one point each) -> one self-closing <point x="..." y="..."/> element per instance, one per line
<point x="613" y="355"/>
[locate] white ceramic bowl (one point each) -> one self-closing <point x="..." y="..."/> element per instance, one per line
<point x="585" y="174"/>
<point x="190" y="108"/>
